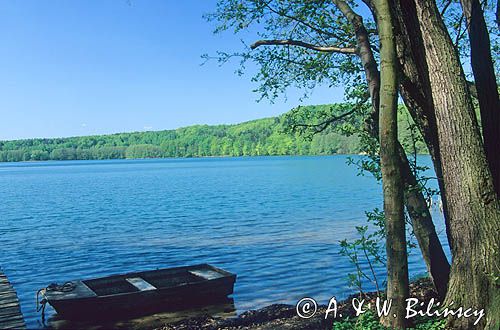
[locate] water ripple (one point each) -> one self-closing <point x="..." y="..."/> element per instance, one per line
<point x="276" y="222"/>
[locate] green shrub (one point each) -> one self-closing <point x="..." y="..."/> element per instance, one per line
<point x="369" y="321"/>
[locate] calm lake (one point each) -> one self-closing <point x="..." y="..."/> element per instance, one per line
<point x="274" y="221"/>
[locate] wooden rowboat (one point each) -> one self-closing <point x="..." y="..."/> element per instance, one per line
<point x="135" y="293"/>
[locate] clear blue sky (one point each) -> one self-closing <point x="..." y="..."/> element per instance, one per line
<point x="104" y="66"/>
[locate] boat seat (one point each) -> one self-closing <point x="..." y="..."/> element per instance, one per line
<point x="207" y="274"/>
<point x="140" y="284"/>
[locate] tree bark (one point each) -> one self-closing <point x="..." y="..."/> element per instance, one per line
<point x="432" y="251"/>
<point x="486" y="85"/>
<point x="415" y="91"/>
<point x="397" y="258"/>
<point x="417" y="95"/>
<point x="472" y="201"/>
<point x="365" y="53"/>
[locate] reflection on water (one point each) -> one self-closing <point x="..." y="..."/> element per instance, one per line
<point x="223" y="309"/>
<point x="274" y="221"/>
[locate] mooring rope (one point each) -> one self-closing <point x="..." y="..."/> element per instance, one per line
<point x="66" y="287"/>
<point x="40" y="304"/>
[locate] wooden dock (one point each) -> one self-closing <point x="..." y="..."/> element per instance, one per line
<point x="10" y="311"/>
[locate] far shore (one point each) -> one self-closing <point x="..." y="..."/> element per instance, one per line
<point x="192" y="157"/>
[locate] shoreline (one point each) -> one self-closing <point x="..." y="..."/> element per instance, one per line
<point x="176" y="158"/>
<point x="282" y="316"/>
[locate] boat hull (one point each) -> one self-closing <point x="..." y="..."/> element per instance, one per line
<point x="83" y="304"/>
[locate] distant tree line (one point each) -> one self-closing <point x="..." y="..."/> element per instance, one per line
<point x="262" y="137"/>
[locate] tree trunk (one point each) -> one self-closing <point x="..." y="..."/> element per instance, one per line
<point x="397" y="261"/>
<point x="472" y="202"/>
<point x="416" y="93"/>
<point x="486" y="85"/>
<point x="425" y="232"/>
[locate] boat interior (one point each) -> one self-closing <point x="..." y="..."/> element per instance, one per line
<point x="150" y="280"/>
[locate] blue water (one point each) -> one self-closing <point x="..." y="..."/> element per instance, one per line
<point x="275" y="221"/>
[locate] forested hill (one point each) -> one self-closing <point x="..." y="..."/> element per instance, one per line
<point x="253" y="138"/>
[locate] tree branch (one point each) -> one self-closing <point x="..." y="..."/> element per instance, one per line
<point x="366" y="55"/>
<point x="305" y="23"/>
<point x="320" y="127"/>
<point x="443" y="11"/>
<point x="460" y="33"/>
<point x="326" y="49"/>
<point x="472" y="89"/>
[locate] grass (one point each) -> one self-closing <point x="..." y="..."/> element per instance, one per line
<point x="370" y="321"/>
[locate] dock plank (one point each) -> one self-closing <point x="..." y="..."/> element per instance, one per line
<point x="10" y="310"/>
